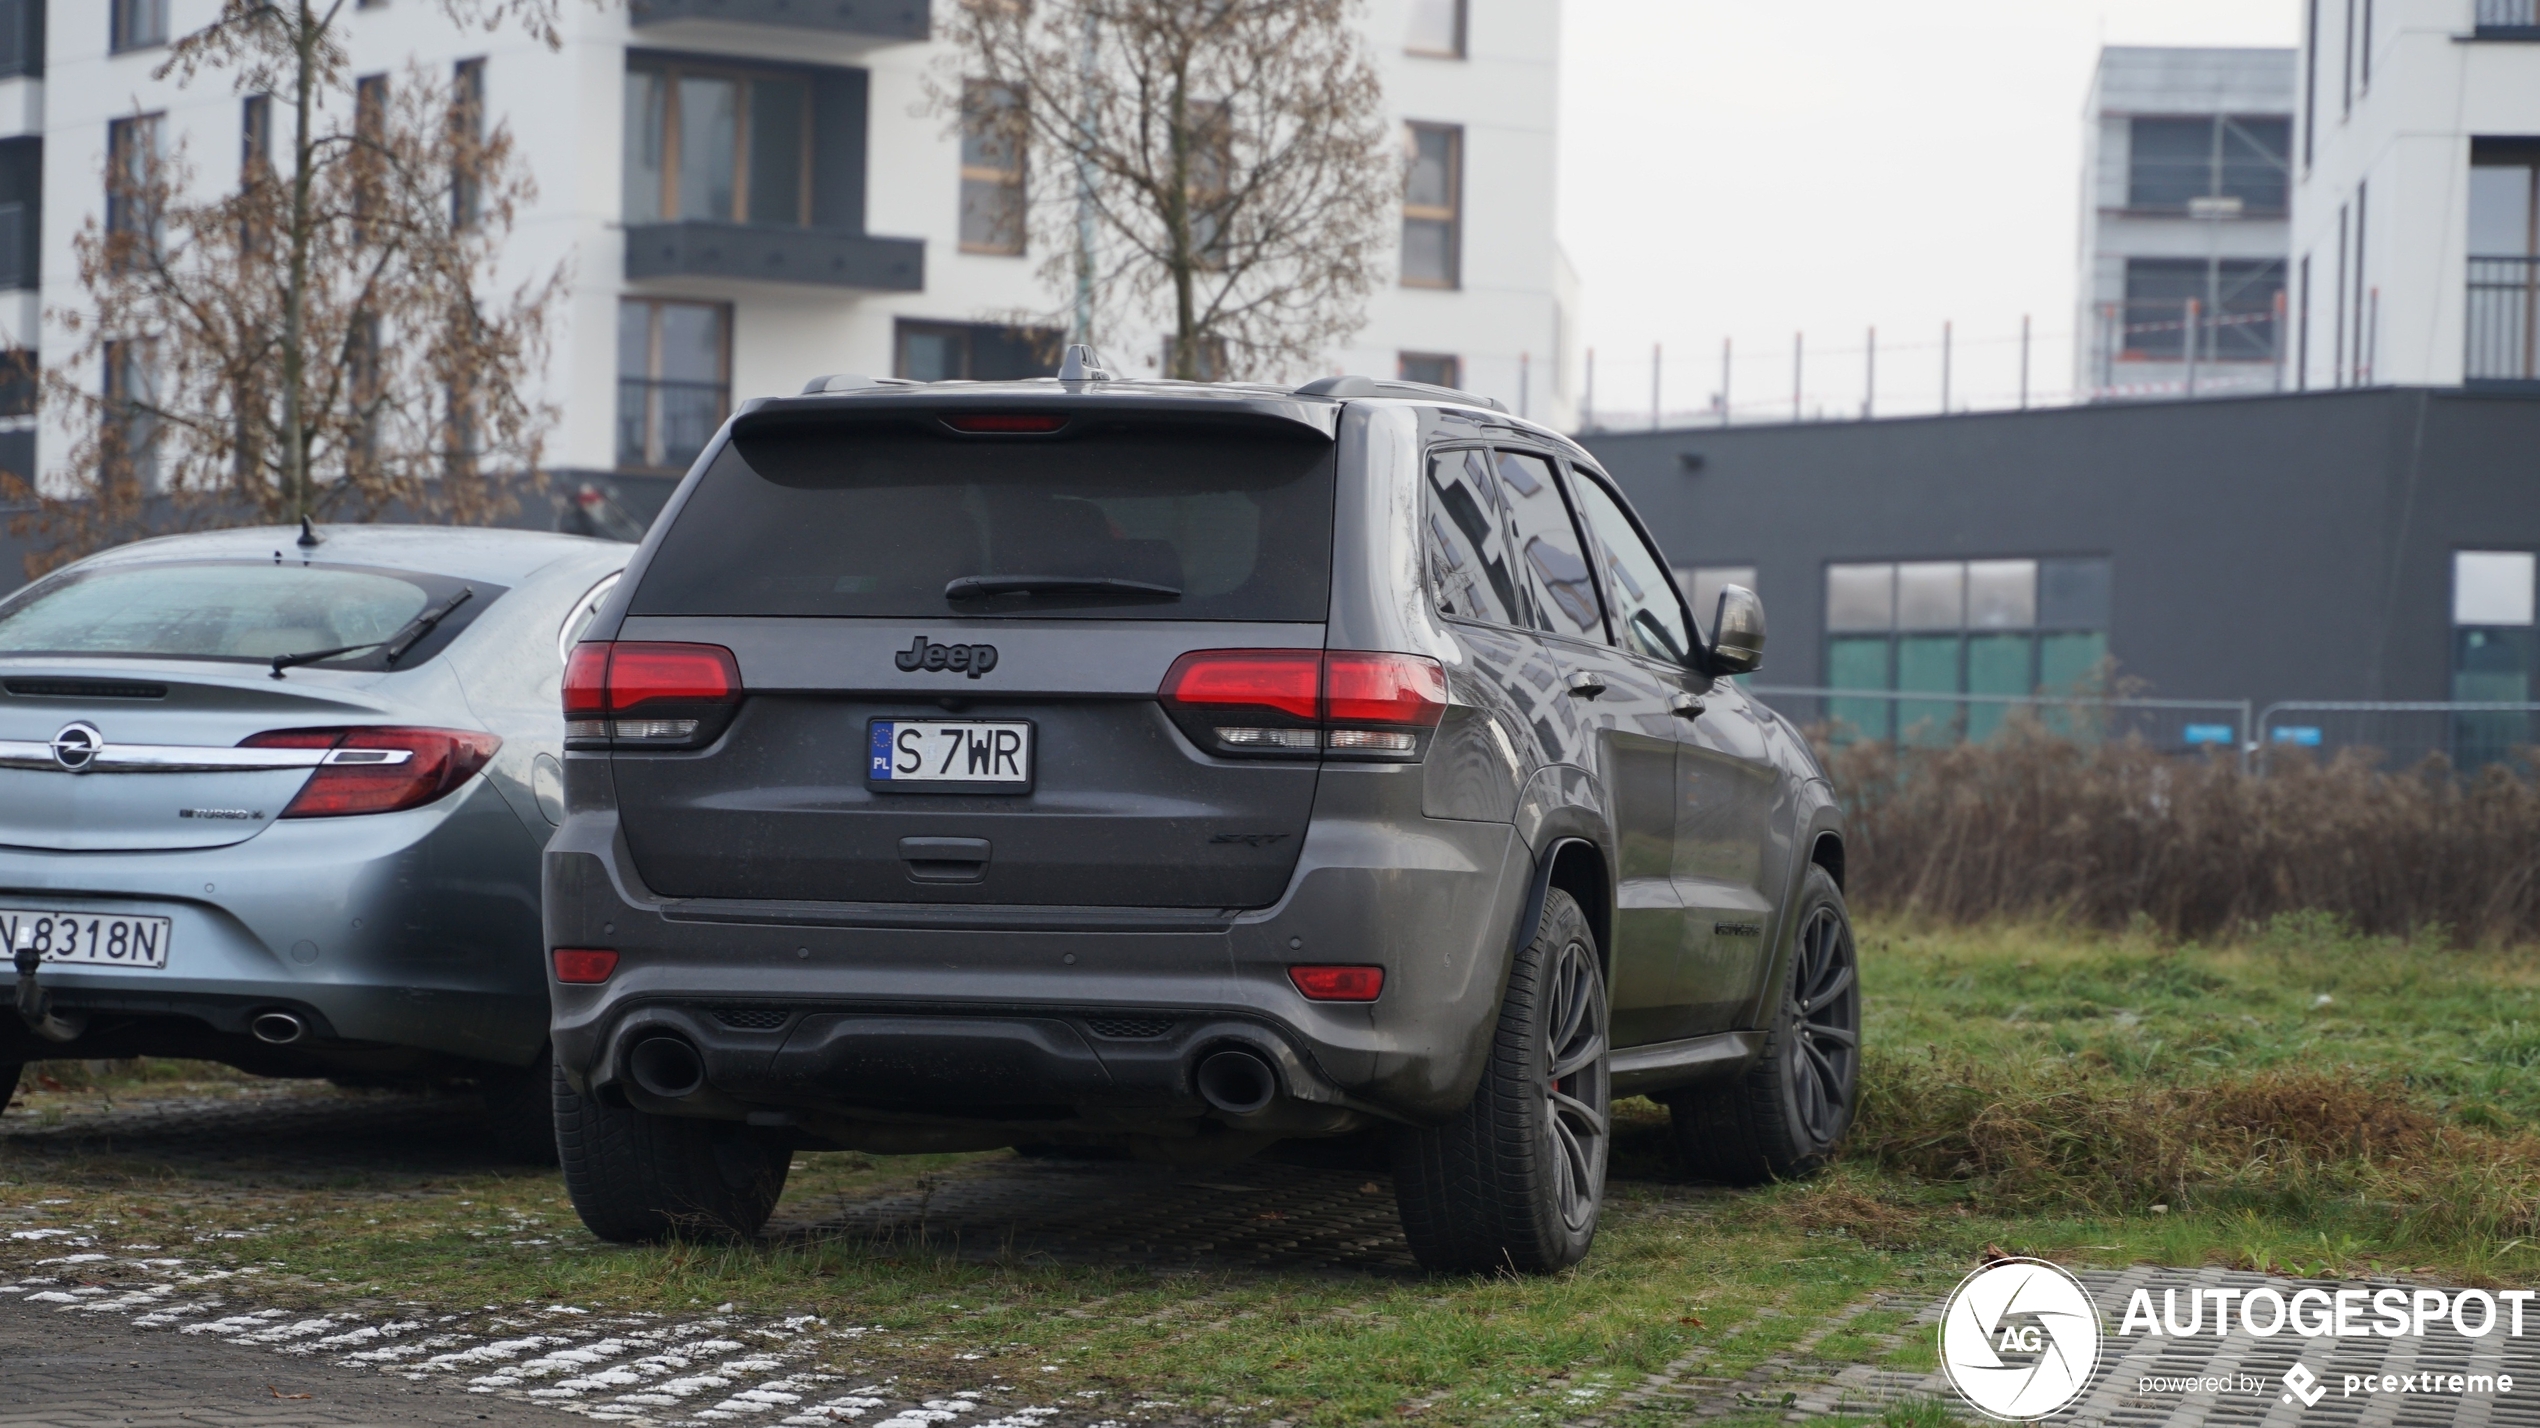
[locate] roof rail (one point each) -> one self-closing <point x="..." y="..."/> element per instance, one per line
<point x="1344" y="387"/>
<point x="850" y="381"/>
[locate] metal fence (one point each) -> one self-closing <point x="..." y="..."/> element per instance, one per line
<point x="2471" y="734"/>
<point x="1916" y="718"/>
<point x="2504" y="315"/>
<point x="2398" y="733"/>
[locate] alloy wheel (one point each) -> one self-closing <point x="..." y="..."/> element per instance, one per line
<point x="1826" y="1015"/>
<point x="1575" y="1085"/>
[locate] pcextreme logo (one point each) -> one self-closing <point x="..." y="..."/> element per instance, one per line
<point x="2019" y="1339"/>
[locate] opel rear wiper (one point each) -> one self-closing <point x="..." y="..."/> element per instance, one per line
<point x="396" y="644"/>
<point x="980" y="587"/>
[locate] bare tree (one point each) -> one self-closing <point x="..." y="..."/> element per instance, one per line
<point x="319" y="340"/>
<point x="1231" y="155"/>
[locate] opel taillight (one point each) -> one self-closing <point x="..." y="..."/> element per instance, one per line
<point x="1305" y="703"/>
<point x="647" y="693"/>
<point x="379" y="768"/>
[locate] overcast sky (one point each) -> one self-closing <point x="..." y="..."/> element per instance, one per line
<point x="1754" y="168"/>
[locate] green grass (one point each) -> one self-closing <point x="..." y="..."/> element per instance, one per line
<point x="2082" y="1035"/>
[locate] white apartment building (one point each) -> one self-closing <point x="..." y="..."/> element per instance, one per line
<point x="2416" y="210"/>
<point x="2185" y="177"/>
<point x="750" y="193"/>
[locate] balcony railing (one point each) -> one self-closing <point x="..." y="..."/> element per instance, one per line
<point x="2504" y="320"/>
<point x="663" y="425"/>
<point x="2509" y="19"/>
<point x="883" y="20"/>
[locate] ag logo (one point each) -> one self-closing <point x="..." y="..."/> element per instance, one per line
<point x="2019" y="1339"/>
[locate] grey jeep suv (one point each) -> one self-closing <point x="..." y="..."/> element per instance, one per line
<point x="1179" y="769"/>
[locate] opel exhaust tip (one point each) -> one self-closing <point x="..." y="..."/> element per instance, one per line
<point x="1237" y="1082"/>
<point x="278" y="1028"/>
<point x="666" y="1066"/>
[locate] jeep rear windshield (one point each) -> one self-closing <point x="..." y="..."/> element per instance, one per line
<point x="1104" y="520"/>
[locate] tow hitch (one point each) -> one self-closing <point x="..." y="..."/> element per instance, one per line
<point x="35" y="1003"/>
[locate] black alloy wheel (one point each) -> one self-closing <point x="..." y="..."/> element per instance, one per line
<point x="1826" y="1014"/>
<point x="1576" y="1083"/>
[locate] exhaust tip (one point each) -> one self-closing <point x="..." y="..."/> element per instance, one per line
<point x="666" y="1066"/>
<point x="277" y="1028"/>
<point x="1237" y="1082"/>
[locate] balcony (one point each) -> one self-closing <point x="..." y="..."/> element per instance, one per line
<point x="2504" y="320"/>
<point x="2508" y="20"/>
<point x="773" y="253"/>
<point x="869" y="20"/>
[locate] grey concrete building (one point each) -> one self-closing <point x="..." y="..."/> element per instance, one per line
<point x="2365" y="545"/>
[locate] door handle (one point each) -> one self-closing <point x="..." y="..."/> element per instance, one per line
<point x="1687" y="708"/>
<point x="1585" y="685"/>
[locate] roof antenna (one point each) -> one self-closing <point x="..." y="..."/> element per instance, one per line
<point x="309" y="538"/>
<point x="1081" y="365"/>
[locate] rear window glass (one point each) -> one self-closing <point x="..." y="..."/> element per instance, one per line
<point x="233" y="610"/>
<point x="878" y="520"/>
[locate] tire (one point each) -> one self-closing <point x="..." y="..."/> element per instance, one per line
<point x="636" y="1177"/>
<point x="1516" y="1180"/>
<point x="1783" y="1118"/>
<point x="520" y="1110"/>
<point x="8" y="1082"/>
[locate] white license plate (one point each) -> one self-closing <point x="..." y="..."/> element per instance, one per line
<point x="92" y="939"/>
<point x="950" y="755"/>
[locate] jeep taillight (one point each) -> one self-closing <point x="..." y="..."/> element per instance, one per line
<point x="1306" y="703"/>
<point x="647" y="694"/>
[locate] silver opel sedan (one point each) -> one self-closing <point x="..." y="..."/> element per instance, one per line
<point x="276" y="797"/>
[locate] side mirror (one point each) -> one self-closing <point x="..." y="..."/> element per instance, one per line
<point x="1737" y="631"/>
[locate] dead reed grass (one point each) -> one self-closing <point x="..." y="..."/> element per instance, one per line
<point x="2030" y="824"/>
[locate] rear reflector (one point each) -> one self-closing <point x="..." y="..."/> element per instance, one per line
<point x="584" y="966"/>
<point x="1338" y="984"/>
<point x="379" y="769"/>
<point x="1005" y="423"/>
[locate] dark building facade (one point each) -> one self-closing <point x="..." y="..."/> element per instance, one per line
<point x="2363" y="545"/>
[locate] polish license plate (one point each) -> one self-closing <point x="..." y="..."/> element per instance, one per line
<point x="88" y="939"/>
<point x="949" y="756"/>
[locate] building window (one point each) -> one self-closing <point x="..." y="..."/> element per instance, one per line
<point x="1435" y="368"/>
<point x="2492" y="652"/>
<point x="992" y="149"/>
<point x="2235" y="308"/>
<point x="1433" y="207"/>
<point x="131" y="433"/>
<point x="972" y="351"/>
<point x="467" y="127"/>
<point x="1437" y="29"/>
<point x="1702" y="585"/>
<point x="132" y="163"/>
<point x="137" y="25"/>
<point x="2174" y="162"/>
<point x="2504" y="263"/>
<point x="721" y="145"/>
<point x="2013" y="627"/>
<point x="674" y="379"/>
<point x="21" y="37"/>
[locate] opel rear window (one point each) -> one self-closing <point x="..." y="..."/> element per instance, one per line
<point x="1103" y="520"/>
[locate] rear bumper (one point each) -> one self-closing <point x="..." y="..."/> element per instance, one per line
<point x="405" y="941"/>
<point x="903" y="1014"/>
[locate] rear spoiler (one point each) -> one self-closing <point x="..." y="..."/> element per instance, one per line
<point x="1196" y="403"/>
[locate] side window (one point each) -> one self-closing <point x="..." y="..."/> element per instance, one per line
<point x="1637" y="587"/>
<point x="1562" y="589"/>
<point x="1464" y="542"/>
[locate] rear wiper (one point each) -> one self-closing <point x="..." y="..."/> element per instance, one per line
<point x="396" y="644"/>
<point x="980" y="587"/>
